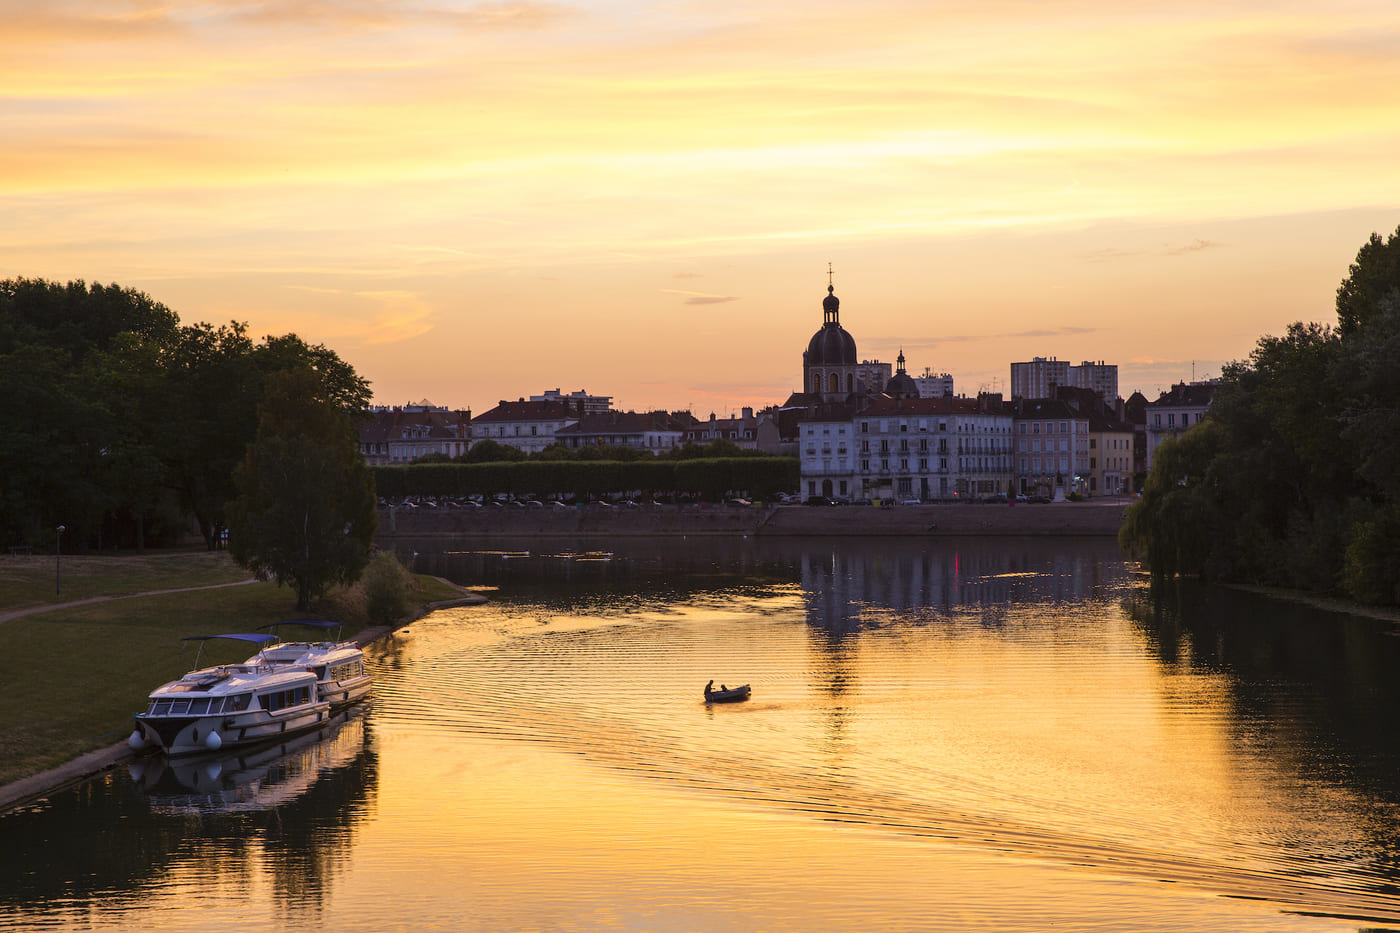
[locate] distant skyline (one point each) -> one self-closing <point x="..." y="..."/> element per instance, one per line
<point x="477" y="201"/>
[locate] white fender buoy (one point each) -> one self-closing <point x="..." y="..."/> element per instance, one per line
<point x="136" y="740"/>
<point x="213" y="741"/>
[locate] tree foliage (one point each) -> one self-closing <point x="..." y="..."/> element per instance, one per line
<point x="120" y="422"/>
<point x="1293" y="479"/>
<point x="710" y="478"/>
<point x="305" y="511"/>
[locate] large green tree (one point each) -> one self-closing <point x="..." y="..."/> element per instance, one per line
<point x="305" y="510"/>
<point x="1369" y="281"/>
<point x="1294" y="477"/>
<point x="66" y="428"/>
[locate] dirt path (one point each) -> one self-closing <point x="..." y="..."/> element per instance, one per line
<point x="49" y="607"/>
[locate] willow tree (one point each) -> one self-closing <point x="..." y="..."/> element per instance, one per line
<point x="305" y="511"/>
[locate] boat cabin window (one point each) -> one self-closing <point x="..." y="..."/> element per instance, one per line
<point x="282" y="699"/>
<point x="346" y="671"/>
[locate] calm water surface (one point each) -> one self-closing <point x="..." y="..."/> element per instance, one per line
<point x="943" y="735"/>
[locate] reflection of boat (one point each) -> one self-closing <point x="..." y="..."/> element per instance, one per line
<point x="339" y="666"/>
<point x="229" y="705"/>
<point x="726" y="694"/>
<point x="253" y="779"/>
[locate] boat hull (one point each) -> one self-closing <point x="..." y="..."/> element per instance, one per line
<point x="343" y="693"/>
<point x="195" y="735"/>
<point x="728" y="696"/>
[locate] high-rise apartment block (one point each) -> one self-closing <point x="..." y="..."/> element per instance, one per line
<point x="1100" y="377"/>
<point x="1039" y="377"/>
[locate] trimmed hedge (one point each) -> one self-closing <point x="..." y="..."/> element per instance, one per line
<point x="710" y="479"/>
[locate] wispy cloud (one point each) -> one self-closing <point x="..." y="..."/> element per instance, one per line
<point x="1163" y="249"/>
<point x="700" y="298"/>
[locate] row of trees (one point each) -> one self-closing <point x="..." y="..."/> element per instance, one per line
<point x="120" y="422"/>
<point x="1293" y="478"/>
<point x="489" y="451"/>
<point x="709" y="478"/>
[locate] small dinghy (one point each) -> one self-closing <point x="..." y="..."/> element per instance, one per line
<point x="725" y="694"/>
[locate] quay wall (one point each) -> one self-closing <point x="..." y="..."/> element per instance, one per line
<point x="1061" y="518"/>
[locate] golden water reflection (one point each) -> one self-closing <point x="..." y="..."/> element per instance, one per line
<point x="942" y="736"/>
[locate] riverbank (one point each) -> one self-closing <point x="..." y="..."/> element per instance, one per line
<point x="99" y="761"/>
<point x="1094" y="517"/>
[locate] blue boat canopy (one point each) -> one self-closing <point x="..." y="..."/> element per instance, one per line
<point x="255" y="637"/>
<point x="309" y="623"/>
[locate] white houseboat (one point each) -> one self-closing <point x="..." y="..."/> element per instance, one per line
<point x="339" y="666"/>
<point x="230" y="705"/>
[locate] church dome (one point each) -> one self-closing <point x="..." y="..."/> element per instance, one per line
<point x="832" y="345"/>
<point x="902" y="384"/>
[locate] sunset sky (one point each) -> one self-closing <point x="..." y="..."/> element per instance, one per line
<point x="478" y="201"/>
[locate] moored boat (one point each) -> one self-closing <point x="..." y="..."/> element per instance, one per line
<point x="229" y="705"/>
<point x="339" y="666"/>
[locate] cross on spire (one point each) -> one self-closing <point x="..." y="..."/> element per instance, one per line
<point x="828" y="277"/>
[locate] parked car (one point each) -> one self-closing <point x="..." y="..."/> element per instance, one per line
<point x="819" y="500"/>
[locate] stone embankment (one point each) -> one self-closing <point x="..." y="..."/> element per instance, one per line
<point x="1101" y="517"/>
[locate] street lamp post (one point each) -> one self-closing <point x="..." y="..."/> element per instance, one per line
<point x="58" y="562"/>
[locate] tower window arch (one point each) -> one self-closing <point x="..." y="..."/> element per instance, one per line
<point x="835" y="382"/>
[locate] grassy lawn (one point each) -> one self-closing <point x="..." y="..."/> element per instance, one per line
<point x="71" y="677"/>
<point x="31" y="580"/>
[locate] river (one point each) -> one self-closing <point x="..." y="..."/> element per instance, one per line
<point x="950" y="734"/>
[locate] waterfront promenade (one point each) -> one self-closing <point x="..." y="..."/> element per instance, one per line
<point x="1094" y="517"/>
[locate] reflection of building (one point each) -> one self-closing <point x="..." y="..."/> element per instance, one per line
<point x="861" y="587"/>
